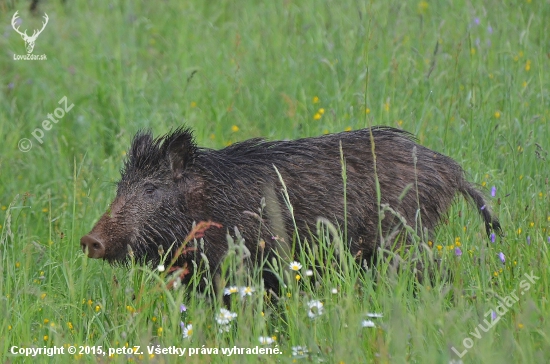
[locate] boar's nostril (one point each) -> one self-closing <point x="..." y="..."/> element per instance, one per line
<point x="95" y="247"/>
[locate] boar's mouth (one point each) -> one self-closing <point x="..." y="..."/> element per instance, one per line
<point x="122" y="253"/>
<point x="93" y="246"/>
<point x="96" y="248"/>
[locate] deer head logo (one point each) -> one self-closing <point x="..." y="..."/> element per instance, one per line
<point x="29" y="41"/>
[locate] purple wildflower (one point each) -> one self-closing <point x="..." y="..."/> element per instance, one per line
<point x="11" y="85"/>
<point x="458" y="252"/>
<point x="183" y="308"/>
<point x="493" y="237"/>
<point x="493" y="315"/>
<point x="490" y="29"/>
<point x="502" y="257"/>
<point x="528" y="240"/>
<point x="493" y="191"/>
<point x="476" y="21"/>
<point x="549" y="240"/>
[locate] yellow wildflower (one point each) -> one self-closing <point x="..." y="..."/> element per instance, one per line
<point x="422" y="7"/>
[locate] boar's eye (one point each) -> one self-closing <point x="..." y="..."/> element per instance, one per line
<point x="149" y="188"/>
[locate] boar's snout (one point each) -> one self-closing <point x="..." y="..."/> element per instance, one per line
<point x="96" y="248"/>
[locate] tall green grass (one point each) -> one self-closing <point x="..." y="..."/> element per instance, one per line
<point x="470" y="80"/>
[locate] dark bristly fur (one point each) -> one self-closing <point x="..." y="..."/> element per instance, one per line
<point x="168" y="183"/>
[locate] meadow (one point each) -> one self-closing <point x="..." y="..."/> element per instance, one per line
<point x="469" y="79"/>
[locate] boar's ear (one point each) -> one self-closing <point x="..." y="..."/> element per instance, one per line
<point x="181" y="151"/>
